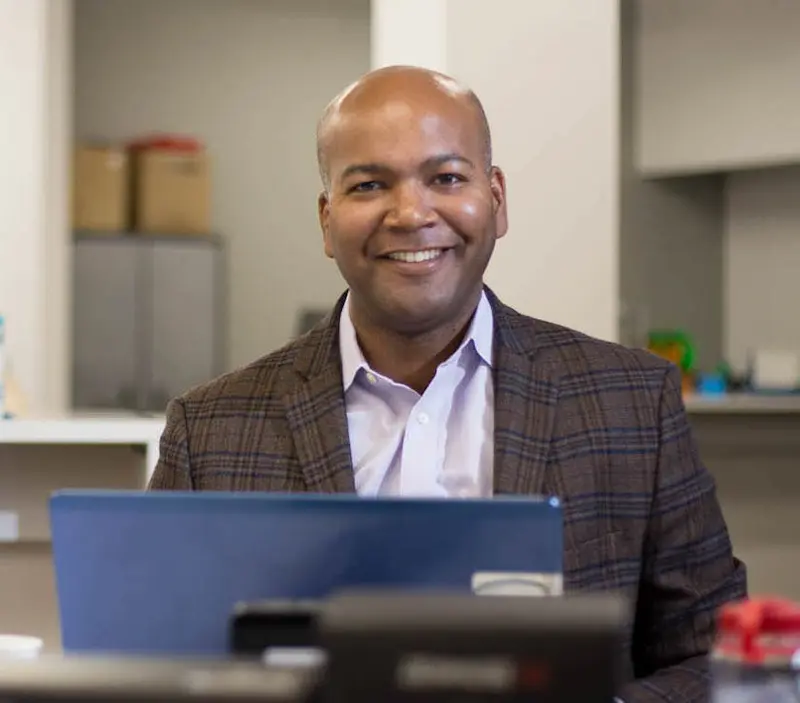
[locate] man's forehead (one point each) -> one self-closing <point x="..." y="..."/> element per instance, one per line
<point x="401" y="103"/>
<point x="398" y="134"/>
<point x="403" y="118"/>
<point x="395" y="82"/>
<point x="421" y="106"/>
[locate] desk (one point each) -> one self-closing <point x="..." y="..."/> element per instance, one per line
<point x="37" y="457"/>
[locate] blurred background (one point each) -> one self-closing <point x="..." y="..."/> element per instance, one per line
<point x="158" y="219"/>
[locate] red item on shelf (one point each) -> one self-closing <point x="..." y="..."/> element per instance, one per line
<point x="168" y="142"/>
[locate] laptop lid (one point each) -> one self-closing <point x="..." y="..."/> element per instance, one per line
<point x="161" y="572"/>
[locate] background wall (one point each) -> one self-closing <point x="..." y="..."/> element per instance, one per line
<point x="392" y="23"/>
<point x="250" y="78"/>
<point x="715" y="101"/>
<point x="671" y="230"/>
<point x="762" y="261"/>
<point x="556" y="135"/>
<point x="716" y="92"/>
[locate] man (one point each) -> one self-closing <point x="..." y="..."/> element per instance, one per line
<point x="421" y="382"/>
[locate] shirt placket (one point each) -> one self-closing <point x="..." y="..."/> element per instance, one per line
<point x="422" y="454"/>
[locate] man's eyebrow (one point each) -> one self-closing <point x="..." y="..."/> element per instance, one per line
<point x="367" y="169"/>
<point x="447" y="158"/>
<point x="373" y="169"/>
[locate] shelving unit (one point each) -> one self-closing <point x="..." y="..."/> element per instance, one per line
<point x="40" y="455"/>
<point x="88" y="429"/>
<point x="743" y="404"/>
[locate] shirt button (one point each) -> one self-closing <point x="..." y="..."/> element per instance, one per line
<point x="423" y="418"/>
<point x="371" y="378"/>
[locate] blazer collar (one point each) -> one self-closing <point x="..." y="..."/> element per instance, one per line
<point x="525" y="391"/>
<point x="319" y="349"/>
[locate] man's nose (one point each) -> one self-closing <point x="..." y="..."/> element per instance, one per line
<point x="410" y="208"/>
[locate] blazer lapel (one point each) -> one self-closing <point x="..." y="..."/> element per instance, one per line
<point x="315" y="411"/>
<point x="525" y="399"/>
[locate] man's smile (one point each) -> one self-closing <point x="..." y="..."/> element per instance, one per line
<point x="420" y="262"/>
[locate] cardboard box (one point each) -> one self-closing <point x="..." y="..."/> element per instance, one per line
<point x="100" y="188"/>
<point x="173" y="191"/>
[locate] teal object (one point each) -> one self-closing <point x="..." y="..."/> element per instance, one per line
<point x="712" y="384"/>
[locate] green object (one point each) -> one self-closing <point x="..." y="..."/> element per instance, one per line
<point x="663" y="339"/>
<point x="724" y="370"/>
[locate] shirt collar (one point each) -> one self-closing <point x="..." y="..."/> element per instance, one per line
<point x="479" y="337"/>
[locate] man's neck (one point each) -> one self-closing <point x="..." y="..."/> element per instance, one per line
<point x="411" y="359"/>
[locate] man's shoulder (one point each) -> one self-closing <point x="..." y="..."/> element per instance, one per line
<point x="575" y="358"/>
<point x="267" y="378"/>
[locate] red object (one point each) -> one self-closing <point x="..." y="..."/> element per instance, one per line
<point x="168" y="142"/>
<point x="533" y="676"/>
<point x="760" y="628"/>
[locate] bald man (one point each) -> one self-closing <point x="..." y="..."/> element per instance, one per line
<point x="422" y="383"/>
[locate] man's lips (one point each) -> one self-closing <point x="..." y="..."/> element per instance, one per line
<point x="415" y="256"/>
<point x="418" y="262"/>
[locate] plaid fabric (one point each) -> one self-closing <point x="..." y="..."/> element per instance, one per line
<point x="601" y="426"/>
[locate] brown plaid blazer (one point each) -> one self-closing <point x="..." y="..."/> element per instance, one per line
<point x="601" y="426"/>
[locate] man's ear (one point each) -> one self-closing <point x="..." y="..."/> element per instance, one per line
<point x="324" y="212"/>
<point x="497" y="184"/>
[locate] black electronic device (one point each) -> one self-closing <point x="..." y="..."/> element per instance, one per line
<point x="388" y="647"/>
<point x="259" y="626"/>
<point x="454" y="647"/>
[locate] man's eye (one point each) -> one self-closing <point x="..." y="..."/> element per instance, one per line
<point x="448" y="179"/>
<point x="366" y="187"/>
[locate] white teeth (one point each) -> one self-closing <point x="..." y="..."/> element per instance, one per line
<point x="415" y="257"/>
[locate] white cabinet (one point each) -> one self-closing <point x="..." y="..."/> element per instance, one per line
<point x="717" y="85"/>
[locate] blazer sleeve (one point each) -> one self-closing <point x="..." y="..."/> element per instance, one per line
<point x="689" y="570"/>
<point x="173" y="471"/>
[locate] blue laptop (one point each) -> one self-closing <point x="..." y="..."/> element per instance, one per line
<point x="160" y="573"/>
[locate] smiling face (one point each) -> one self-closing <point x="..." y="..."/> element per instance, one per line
<point x="412" y="210"/>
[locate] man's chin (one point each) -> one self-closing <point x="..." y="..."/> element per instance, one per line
<point x="417" y="315"/>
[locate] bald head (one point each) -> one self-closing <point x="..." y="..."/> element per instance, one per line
<point x="400" y="84"/>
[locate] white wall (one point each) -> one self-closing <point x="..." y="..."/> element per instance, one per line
<point x="393" y="24"/>
<point x="548" y="74"/>
<point x="762" y="261"/>
<point x="34" y="123"/>
<point x="250" y="77"/>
